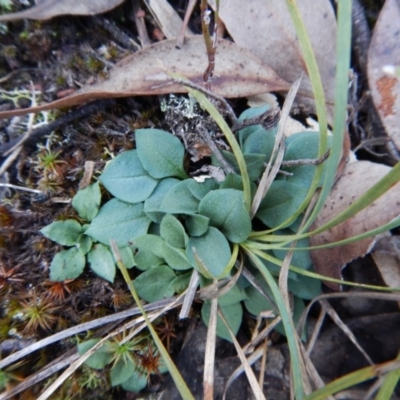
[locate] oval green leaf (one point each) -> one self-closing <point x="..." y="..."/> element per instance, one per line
<point x="161" y="153"/>
<point x="180" y="199"/>
<point x="101" y="262"/>
<point x="176" y="258"/>
<point x="66" y="233"/>
<point x="173" y="232"/>
<point x="153" y="203"/>
<point x="211" y="250"/>
<point x="87" y="201"/>
<point x="67" y="264"/>
<point x="126" y="179"/>
<point x="281" y="202"/>
<point x="120" y="221"/>
<point x="154" y="284"/>
<point x="226" y="210"/>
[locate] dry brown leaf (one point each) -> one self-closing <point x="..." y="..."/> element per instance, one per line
<point x="238" y="73"/>
<point x="46" y="9"/>
<point x="266" y="29"/>
<point x="357" y="177"/>
<point x="385" y="50"/>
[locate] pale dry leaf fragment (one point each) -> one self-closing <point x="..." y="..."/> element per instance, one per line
<point x="386" y="255"/>
<point x="385" y="51"/>
<point x="46" y="9"/>
<point x="356" y="179"/>
<point x="238" y="73"/>
<point x="266" y="29"/>
<point x="169" y="20"/>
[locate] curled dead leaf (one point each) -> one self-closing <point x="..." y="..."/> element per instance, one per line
<point x="46" y="9"/>
<point x="357" y="178"/>
<point x="385" y="51"/>
<point x="238" y="73"/>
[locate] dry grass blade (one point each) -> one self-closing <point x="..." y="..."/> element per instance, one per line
<point x="256" y="354"/>
<point x="209" y="360"/>
<point x="338" y="321"/>
<point x="257" y="391"/>
<point x="217" y="289"/>
<point x="76" y="364"/>
<point x="369" y="295"/>
<point x="189" y="295"/>
<point x="39" y="376"/>
<point x="278" y="151"/>
<point x="171" y="303"/>
<point x="316" y="330"/>
<point x="312" y="371"/>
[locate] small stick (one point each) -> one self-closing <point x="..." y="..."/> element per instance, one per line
<point x="213" y="147"/>
<point x="306" y="161"/>
<point x="181" y="37"/>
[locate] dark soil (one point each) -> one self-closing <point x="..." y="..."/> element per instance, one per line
<point x="62" y="54"/>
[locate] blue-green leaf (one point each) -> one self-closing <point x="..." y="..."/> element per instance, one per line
<point x="181" y="282"/>
<point x="212" y="250"/>
<point x="120" y="221"/>
<point x="121" y="371"/>
<point x="66" y="232"/>
<point x="154" y="284"/>
<point x="102" y="262"/>
<point x="67" y="264"/>
<point x="125" y="178"/>
<point x="197" y="224"/>
<point x="161" y="153"/>
<point x="173" y="232"/>
<point x="136" y="382"/>
<point x="175" y="258"/>
<point x="300" y="258"/>
<point x="235" y="295"/>
<point x="281" y="202"/>
<point x="180" y="199"/>
<point x="87" y="201"/>
<point x="84" y="244"/>
<point x="153" y="203"/>
<point x="226" y="210"/>
<point x="99" y="359"/>
<point x="200" y="189"/>
<point x="148" y="251"/>
<point x="305" y="287"/>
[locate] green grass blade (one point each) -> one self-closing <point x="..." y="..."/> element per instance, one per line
<point x="380" y="188"/>
<point x="176" y="376"/>
<point x="288" y="324"/>
<point x="386" y="391"/>
<point x="351" y="379"/>
<point x="230" y="137"/>
<point x="343" y="52"/>
<point x="314" y="275"/>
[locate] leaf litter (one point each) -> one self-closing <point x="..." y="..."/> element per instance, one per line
<point x="238" y="73"/>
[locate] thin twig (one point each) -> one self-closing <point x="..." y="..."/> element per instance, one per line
<point x="9" y="185"/>
<point x="214" y="148"/>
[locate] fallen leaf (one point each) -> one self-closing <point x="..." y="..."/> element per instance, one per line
<point x="266" y="29"/>
<point x="238" y="73"/>
<point x="46" y="9"/>
<point x="385" y="51"/>
<point x="357" y="178"/>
